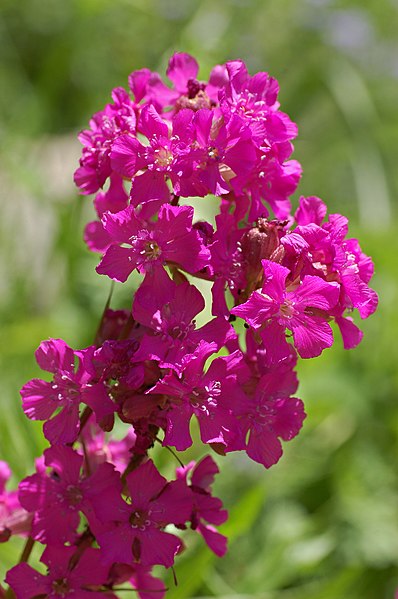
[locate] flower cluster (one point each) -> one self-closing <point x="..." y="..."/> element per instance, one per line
<point x="99" y="504"/>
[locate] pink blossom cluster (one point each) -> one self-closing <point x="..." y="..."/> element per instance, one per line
<point x="104" y="512"/>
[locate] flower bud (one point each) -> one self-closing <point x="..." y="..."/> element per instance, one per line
<point x="260" y="243"/>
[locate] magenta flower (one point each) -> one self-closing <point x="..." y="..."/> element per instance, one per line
<point x="266" y="416"/>
<point x="271" y="181"/>
<point x="260" y="360"/>
<point x="355" y="270"/>
<point x="304" y="310"/>
<point x="169" y="156"/>
<point x="202" y="394"/>
<point x="105" y="127"/>
<point x="56" y="498"/>
<point x="116" y="361"/>
<point x="350" y="333"/>
<point x="70" y="387"/>
<point x="224" y="151"/>
<point x="255" y="100"/>
<point x="187" y="91"/>
<point x="146" y="585"/>
<point x="207" y="510"/>
<point x="83" y="581"/>
<point x="113" y="324"/>
<point x="147" y="87"/>
<point x="336" y="258"/>
<point x="112" y="200"/>
<point x="139" y="84"/>
<point x="169" y="310"/>
<point x="183" y="71"/>
<point x="137" y="533"/>
<point x="226" y="262"/>
<point x="310" y="210"/>
<point x="13" y="518"/>
<point x="100" y="448"/>
<point x="144" y="245"/>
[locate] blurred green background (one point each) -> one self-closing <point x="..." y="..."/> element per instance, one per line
<point x="323" y="523"/>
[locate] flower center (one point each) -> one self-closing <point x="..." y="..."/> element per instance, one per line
<point x="64" y="389"/>
<point x="61" y="587"/>
<point x="213" y="153"/>
<point x="145" y="246"/>
<point x="74" y="495"/>
<point x="163" y="157"/>
<point x="263" y="415"/>
<point x="140" y="519"/>
<point x="180" y="331"/>
<point x="196" y="102"/>
<point x="213" y="389"/>
<point x="287" y="309"/>
<point x="205" y="396"/>
<point x="151" y="250"/>
<point x="250" y="107"/>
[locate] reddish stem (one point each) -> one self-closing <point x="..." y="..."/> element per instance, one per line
<point x="27" y="550"/>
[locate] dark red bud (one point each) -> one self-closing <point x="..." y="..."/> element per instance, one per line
<point x="260" y="243"/>
<point x="107" y="423"/>
<point x="140" y="406"/>
<point x="5" y="535"/>
<point x="219" y="448"/>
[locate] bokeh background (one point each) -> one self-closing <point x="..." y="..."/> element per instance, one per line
<point x="323" y="523"/>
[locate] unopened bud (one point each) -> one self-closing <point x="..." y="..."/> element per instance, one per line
<point x="5" y="534"/>
<point x="260" y="243"/>
<point x="139" y="406"/>
<point x="107" y="423"/>
<point x="278" y="254"/>
<point x="218" y="448"/>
